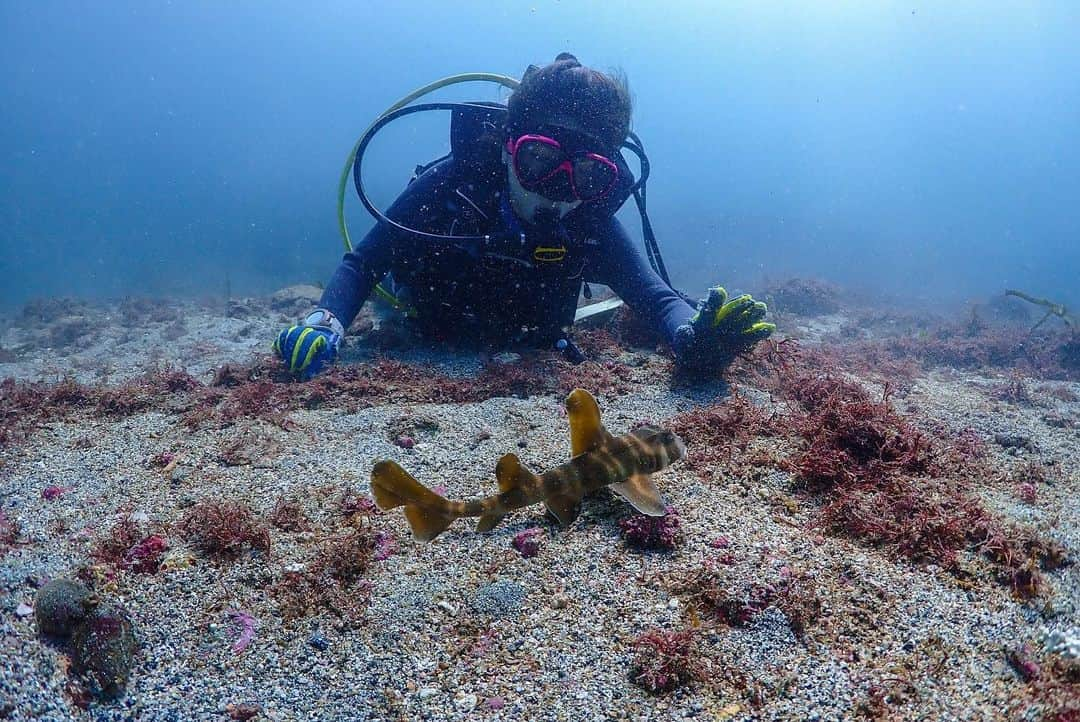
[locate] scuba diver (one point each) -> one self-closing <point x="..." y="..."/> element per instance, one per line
<point x="493" y="244"/>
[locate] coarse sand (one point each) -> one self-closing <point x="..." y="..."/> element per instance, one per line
<point x="466" y="628"/>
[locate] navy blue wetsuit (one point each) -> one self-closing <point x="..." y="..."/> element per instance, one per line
<point x="522" y="286"/>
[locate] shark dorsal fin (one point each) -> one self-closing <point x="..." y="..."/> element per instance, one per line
<point x="509" y="472"/>
<point x="586" y="431"/>
<point x="640" y="491"/>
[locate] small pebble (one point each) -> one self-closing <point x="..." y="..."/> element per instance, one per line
<point x="243" y="710"/>
<point x="465" y="702"/>
<point x="319" y="642"/>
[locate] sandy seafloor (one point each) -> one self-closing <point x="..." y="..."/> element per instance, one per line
<point x="466" y="628"/>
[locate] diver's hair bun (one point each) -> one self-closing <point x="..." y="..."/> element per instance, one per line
<point x="599" y="102"/>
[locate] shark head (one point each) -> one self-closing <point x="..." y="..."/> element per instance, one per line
<point x="664" y="447"/>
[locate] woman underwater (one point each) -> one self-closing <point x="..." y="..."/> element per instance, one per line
<point x="541" y="189"/>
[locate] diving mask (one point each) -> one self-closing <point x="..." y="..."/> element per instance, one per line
<point x="542" y="165"/>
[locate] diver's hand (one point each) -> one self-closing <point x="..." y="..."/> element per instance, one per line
<point x="306" y="350"/>
<point x="720" y="330"/>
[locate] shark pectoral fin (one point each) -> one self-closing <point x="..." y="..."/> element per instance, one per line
<point x="564" y="507"/>
<point x="427" y="523"/>
<point x="489" y="521"/>
<point x="586" y="430"/>
<point x="640" y="491"/>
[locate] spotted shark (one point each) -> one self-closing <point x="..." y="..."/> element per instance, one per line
<point x="624" y="463"/>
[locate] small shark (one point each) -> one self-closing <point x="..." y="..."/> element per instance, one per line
<point x="598" y="459"/>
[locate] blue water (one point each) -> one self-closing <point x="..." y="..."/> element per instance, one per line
<point x="923" y="150"/>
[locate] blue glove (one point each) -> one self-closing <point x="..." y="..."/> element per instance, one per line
<point x="306" y="350"/>
<point x="720" y="330"/>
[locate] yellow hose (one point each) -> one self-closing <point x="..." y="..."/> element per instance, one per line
<point x="503" y="80"/>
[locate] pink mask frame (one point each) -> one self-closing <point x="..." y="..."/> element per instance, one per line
<point x="566" y="166"/>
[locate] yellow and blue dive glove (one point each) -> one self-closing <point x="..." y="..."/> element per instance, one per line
<point x="720" y="330"/>
<point x="309" y="347"/>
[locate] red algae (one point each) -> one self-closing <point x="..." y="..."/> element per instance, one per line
<point x="288" y="515"/>
<point x="665" y="660"/>
<point x="265" y="390"/>
<point x="1050" y="355"/>
<point x="9" y="531"/>
<point x="715" y="590"/>
<point x="128" y="546"/>
<point x="333" y="579"/>
<point x="245" y="625"/>
<point x="145" y="556"/>
<point x="224" y="529"/>
<point x="718" y="436"/>
<point x="1048" y="684"/>
<point x="877" y="477"/>
<point x="852" y="437"/>
<point x="887" y="484"/>
<point x="112" y="548"/>
<point x="652" y="533"/>
<point x="53" y="492"/>
<point x="527" y="542"/>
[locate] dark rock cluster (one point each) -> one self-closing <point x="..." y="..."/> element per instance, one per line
<point x="102" y="636"/>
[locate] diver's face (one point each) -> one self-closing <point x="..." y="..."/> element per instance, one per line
<point x="532" y="207"/>
<point x="545" y="193"/>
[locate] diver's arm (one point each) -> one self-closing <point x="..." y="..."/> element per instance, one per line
<point x="361" y="268"/>
<point x="618" y="263"/>
<point x="371" y="259"/>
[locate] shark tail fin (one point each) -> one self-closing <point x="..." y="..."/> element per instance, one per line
<point x="428" y="513"/>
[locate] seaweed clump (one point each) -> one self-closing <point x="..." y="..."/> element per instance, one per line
<point x="265" y="390"/>
<point x="888" y="484"/>
<point x="716" y="592"/>
<point x="665" y="660"/>
<point x="652" y="533"/>
<point x="25" y="405"/>
<point x="527" y="542"/>
<point x="127" y="546"/>
<point x="803" y="297"/>
<point x="288" y="515"/>
<point x="851" y="437"/>
<point x="224" y="529"/>
<point x="1051" y="683"/>
<point x="9" y="531"/>
<point x="719" y="437"/>
<point x="332" y="580"/>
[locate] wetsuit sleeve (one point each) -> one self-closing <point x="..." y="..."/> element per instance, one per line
<point x="361" y="268"/>
<point x="618" y="263"/>
<point x="370" y="260"/>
